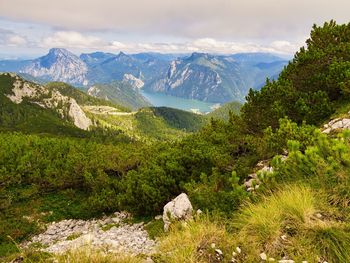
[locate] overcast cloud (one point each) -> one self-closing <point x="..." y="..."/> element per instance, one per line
<point x="224" y="26"/>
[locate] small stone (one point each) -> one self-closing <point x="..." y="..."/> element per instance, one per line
<point x="319" y="216"/>
<point x="238" y="249"/>
<point x="199" y="212"/>
<point x="212" y="245"/>
<point x="18" y="260"/>
<point x="116" y="220"/>
<point x="218" y="251"/>
<point x="286" y="261"/>
<point x="271" y="259"/>
<point x="284" y="237"/>
<point x="263" y="256"/>
<point x="158" y="217"/>
<point x="234" y="254"/>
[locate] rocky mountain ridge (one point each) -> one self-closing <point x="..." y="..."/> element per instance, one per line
<point x="66" y="107"/>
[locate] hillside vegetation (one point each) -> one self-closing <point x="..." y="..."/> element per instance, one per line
<point x="120" y="93"/>
<point x="223" y="112"/>
<point x="299" y="211"/>
<point x="34" y="108"/>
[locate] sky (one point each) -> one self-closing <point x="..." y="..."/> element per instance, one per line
<point x="29" y="28"/>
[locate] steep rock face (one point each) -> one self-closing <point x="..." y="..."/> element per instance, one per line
<point x="133" y="81"/>
<point x="59" y="65"/>
<point x="78" y="116"/>
<point x="65" y="106"/>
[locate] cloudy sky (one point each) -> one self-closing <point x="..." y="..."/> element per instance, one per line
<point x="30" y="27"/>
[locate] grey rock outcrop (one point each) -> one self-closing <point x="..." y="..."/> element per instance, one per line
<point x="179" y="208"/>
<point x="65" y="106"/>
<point x="336" y="124"/>
<point x="111" y="234"/>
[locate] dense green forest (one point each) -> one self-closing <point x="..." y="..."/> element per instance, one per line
<point x="88" y="177"/>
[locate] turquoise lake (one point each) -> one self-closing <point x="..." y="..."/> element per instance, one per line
<point x="159" y="100"/>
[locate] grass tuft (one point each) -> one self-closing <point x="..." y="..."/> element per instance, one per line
<point x="192" y="242"/>
<point x="295" y="223"/>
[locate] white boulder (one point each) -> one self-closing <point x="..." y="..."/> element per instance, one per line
<point x="179" y="208"/>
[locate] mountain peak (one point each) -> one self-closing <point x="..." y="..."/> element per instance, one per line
<point x="122" y="54"/>
<point x="196" y="55"/>
<point x="58" y="65"/>
<point x="60" y="51"/>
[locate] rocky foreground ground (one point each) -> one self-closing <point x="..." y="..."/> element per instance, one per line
<point x="110" y="233"/>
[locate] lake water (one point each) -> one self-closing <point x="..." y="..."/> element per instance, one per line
<point x="159" y="100"/>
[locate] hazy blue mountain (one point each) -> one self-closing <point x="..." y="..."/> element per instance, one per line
<point x="201" y="76"/>
<point x="59" y="65"/>
<point x="206" y="77"/>
<point x="216" y="78"/>
<point x="13" y="65"/>
<point x="95" y="58"/>
<point x="30" y="78"/>
<point x="145" y="67"/>
<point x="256" y="57"/>
<point x="114" y="68"/>
<point x="156" y="56"/>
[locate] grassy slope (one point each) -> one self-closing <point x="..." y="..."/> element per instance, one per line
<point x="122" y="94"/>
<point x="223" y="112"/>
<point x="153" y="123"/>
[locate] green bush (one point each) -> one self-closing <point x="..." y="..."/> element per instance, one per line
<point x="217" y="192"/>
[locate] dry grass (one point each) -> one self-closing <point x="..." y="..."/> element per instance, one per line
<point x="295" y="223"/>
<point x="86" y="255"/>
<point x="192" y="243"/>
<point x="95" y="256"/>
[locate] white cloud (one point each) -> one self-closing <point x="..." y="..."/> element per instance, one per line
<point x="16" y="41"/>
<point x="284" y="46"/>
<point x="11" y="39"/>
<point x="208" y="45"/>
<point x="117" y="45"/>
<point x="84" y="43"/>
<point x="221" y="19"/>
<point x="71" y="39"/>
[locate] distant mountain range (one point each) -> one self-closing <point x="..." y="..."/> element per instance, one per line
<point x="201" y="76"/>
